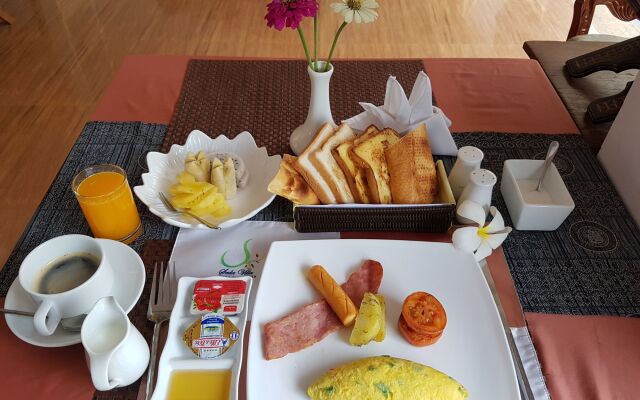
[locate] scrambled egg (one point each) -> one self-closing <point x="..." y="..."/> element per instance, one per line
<point x="383" y="378"/>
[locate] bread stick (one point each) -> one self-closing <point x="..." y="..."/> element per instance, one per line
<point x="338" y="300"/>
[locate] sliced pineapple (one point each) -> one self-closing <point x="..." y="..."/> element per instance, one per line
<point x="212" y="198"/>
<point x="367" y="325"/>
<point x="189" y="200"/>
<point x="199" y="198"/>
<point x="185" y="178"/>
<point x="190" y="188"/>
<point x="212" y="203"/>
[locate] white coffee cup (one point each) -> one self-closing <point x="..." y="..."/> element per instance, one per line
<point x="76" y="301"/>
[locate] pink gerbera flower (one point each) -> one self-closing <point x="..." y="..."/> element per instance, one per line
<point x="289" y="13"/>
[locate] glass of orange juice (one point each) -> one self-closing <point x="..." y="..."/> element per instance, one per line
<point x="107" y="202"/>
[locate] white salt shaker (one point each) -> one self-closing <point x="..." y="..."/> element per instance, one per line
<point x="469" y="159"/>
<point x="478" y="190"/>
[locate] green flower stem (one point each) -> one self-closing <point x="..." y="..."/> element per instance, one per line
<point x="315" y="42"/>
<point x="304" y="45"/>
<point x="333" y="46"/>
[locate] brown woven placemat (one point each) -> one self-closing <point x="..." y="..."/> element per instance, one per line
<point x="154" y="251"/>
<point x="270" y="98"/>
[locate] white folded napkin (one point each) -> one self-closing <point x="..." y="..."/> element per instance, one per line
<point x="237" y="251"/>
<point x="531" y="364"/>
<point x="404" y="114"/>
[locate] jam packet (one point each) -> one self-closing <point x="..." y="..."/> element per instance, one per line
<point x="225" y="297"/>
<point x="211" y="335"/>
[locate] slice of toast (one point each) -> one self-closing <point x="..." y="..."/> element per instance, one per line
<point x="369" y="154"/>
<point x="412" y="172"/>
<point x="349" y="169"/>
<point x="356" y="176"/>
<point x="329" y="168"/>
<point x="366" y="134"/>
<point x="289" y="184"/>
<point x="309" y="172"/>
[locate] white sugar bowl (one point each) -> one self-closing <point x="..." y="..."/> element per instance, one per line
<point x="532" y="210"/>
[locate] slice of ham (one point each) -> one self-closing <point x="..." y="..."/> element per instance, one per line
<point x="311" y="323"/>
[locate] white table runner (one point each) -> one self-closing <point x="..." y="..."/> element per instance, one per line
<point x="530" y="362"/>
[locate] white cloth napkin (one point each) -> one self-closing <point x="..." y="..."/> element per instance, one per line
<point x="530" y="362"/>
<point x="404" y="114"/>
<point x="204" y="253"/>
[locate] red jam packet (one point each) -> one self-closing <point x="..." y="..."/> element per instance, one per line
<point x="224" y="297"/>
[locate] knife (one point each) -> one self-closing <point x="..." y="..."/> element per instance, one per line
<point x="523" y="382"/>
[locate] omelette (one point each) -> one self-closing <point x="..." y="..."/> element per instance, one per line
<point x="383" y="378"/>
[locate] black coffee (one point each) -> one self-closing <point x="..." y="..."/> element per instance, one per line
<point x="67" y="272"/>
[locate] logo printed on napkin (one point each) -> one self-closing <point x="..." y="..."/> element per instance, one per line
<point x="246" y="267"/>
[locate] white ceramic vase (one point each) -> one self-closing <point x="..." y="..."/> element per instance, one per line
<point x="319" y="109"/>
<point x="469" y="159"/>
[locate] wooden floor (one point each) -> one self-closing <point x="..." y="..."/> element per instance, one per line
<point x="59" y="55"/>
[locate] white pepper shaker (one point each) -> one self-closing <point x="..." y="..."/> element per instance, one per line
<point x="469" y="159"/>
<point x="478" y="190"/>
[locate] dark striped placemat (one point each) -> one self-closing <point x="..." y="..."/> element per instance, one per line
<point x="270" y="98"/>
<point x="121" y="143"/>
<point x="591" y="264"/>
<point x="124" y="144"/>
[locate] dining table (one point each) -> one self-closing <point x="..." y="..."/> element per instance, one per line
<point x="577" y="299"/>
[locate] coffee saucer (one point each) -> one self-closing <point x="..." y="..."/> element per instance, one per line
<point x="129" y="280"/>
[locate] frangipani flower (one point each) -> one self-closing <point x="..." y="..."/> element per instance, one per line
<point x="289" y="13"/>
<point x="357" y="10"/>
<point x="480" y="240"/>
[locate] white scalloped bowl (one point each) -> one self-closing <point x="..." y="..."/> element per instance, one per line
<point x="164" y="168"/>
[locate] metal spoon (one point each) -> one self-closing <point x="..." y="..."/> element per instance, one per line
<point x="551" y="153"/>
<point x="71" y="324"/>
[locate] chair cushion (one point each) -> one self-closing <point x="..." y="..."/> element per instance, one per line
<point x="598" y="38"/>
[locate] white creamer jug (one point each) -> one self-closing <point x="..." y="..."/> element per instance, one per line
<point x="117" y="354"/>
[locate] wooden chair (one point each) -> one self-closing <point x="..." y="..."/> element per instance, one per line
<point x="583" y="13"/>
<point x="5" y="17"/>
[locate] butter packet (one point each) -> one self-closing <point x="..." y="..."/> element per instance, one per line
<point x="211" y="335"/>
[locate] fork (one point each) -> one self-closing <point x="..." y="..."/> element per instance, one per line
<point x="161" y="300"/>
<point x="171" y="208"/>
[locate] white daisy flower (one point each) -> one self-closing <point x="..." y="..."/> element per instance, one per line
<point x="480" y="240"/>
<point x="357" y="10"/>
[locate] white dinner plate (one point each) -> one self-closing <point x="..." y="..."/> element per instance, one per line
<point x="164" y="168"/>
<point x="473" y="348"/>
<point x="129" y="280"/>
